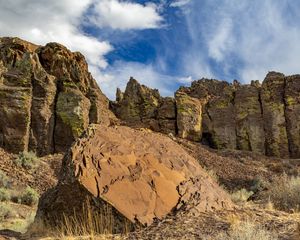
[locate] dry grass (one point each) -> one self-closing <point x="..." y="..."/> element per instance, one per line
<point x="241" y="196"/>
<point x="86" y="224"/>
<point x="4" y="180"/>
<point x="246" y="231"/>
<point x="284" y="193"/>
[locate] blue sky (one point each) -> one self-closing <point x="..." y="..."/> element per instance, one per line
<point x="165" y="43"/>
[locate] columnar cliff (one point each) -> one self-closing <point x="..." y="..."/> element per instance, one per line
<point x="262" y="118"/>
<point x="47" y="97"/>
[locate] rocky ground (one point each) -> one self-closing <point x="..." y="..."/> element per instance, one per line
<point x="234" y="170"/>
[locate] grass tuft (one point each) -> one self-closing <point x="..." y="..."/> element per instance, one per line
<point x="27" y="160"/>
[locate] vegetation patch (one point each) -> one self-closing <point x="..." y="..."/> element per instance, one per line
<point x="27" y="160"/>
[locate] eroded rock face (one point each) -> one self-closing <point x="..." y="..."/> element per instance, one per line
<point x="250" y="133"/>
<point x="48" y="97"/>
<point x="273" y="105"/>
<point x="189" y="116"/>
<point x="143" y="175"/>
<point x="140" y="106"/>
<point x="292" y="113"/>
<point x="253" y="117"/>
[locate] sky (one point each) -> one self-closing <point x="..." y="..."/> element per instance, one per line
<point x="165" y="43"/>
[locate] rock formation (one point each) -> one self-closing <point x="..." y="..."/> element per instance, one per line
<point x="143" y="175"/>
<point x="263" y="118"/>
<point x="140" y="106"/>
<point x="47" y="97"/>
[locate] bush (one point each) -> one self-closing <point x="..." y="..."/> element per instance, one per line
<point x="241" y="196"/>
<point x="27" y="160"/>
<point x="247" y="231"/>
<point x="4" y="194"/>
<point x="4" y="181"/>
<point x="29" y="197"/>
<point x="6" y="211"/>
<point x="284" y="193"/>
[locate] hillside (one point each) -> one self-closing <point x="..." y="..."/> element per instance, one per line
<point x="217" y="161"/>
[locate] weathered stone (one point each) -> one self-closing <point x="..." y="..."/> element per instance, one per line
<point x="221" y="117"/>
<point x="138" y="106"/>
<point x="72" y="118"/>
<point x="189" y="116"/>
<point x="14" y="118"/>
<point x="167" y="116"/>
<point x="249" y="119"/>
<point x="292" y="113"/>
<point x="42" y="109"/>
<point x="272" y="96"/>
<point x="44" y="75"/>
<point x="142" y="175"/>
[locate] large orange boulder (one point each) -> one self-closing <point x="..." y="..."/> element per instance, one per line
<point x="143" y="175"/>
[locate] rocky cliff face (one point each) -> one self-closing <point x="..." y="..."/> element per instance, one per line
<point x="47" y="97"/>
<point x="263" y="118"/>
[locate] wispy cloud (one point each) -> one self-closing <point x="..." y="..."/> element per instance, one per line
<point x="179" y="3"/>
<point x="245" y="39"/>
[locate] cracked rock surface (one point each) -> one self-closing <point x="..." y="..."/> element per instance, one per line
<point x="143" y="175"/>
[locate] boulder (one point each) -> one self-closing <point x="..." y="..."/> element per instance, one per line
<point x="142" y="175"/>
<point x="42" y="90"/>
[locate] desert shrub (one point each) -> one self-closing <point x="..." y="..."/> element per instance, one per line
<point x="27" y="160"/>
<point x="247" y="231"/>
<point x="4" y="194"/>
<point x="29" y="197"/>
<point x="241" y="196"/>
<point x="258" y="185"/>
<point x="4" y="180"/>
<point x="6" y="211"/>
<point x="284" y="193"/>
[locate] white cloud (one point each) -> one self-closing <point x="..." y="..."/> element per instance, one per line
<point x="179" y="3"/>
<point x="56" y="20"/>
<point x="126" y="15"/>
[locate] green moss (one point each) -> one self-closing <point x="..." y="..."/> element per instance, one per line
<point x="290" y="101"/>
<point x="70" y="112"/>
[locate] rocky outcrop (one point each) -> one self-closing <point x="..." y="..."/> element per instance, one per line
<point x="292" y="113"/>
<point x="273" y="107"/>
<point x="47" y="96"/>
<point x="143" y="175"/>
<point x="263" y="118"/>
<point x="140" y="106"/>
<point x="189" y="116"/>
<point x="250" y="133"/>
